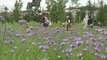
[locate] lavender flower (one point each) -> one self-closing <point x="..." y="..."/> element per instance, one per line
<point x="68" y="50"/>
<point x="1" y="18"/>
<point x="22" y="21"/>
<point x="94" y="38"/>
<point x="105" y="33"/>
<point x="72" y="45"/>
<point x="97" y="49"/>
<point x="97" y="55"/>
<point x="8" y="41"/>
<point x="79" y="42"/>
<point x="28" y="30"/>
<point x="88" y="34"/>
<point x="77" y="39"/>
<point x="85" y="49"/>
<point x="104" y="56"/>
<point x="45" y="47"/>
<point x="105" y="49"/>
<point x="72" y="37"/>
<point x="47" y="38"/>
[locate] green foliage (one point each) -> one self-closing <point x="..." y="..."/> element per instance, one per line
<point x="80" y="15"/>
<point x="57" y="9"/>
<point x="102" y="15"/>
<point x="54" y="24"/>
<point x="33" y="11"/>
<point x="16" y="11"/>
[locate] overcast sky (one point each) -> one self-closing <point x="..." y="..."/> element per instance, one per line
<point x="10" y="3"/>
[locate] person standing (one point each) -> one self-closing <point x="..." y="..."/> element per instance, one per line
<point x="68" y="18"/>
<point x="85" y="21"/>
<point x="45" y="19"/>
<point x="90" y="22"/>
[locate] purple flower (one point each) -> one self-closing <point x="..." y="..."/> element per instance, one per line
<point x="104" y="56"/>
<point x="47" y="38"/>
<point x="72" y="37"/>
<point x="105" y="49"/>
<point x="1" y="18"/>
<point x="22" y="21"/>
<point x="105" y="32"/>
<point x="94" y="38"/>
<point x="68" y="50"/>
<point x="77" y="39"/>
<point x="8" y="41"/>
<point x="85" y="49"/>
<point x="88" y="34"/>
<point x="95" y="44"/>
<point x="72" y="45"/>
<point x="79" y="42"/>
<point x="97" y="55"/>
<point x="45" y="47"/>
<point x="97" y="49"/>
<point x="28" y="30"/>
<point x="101" y="56"/>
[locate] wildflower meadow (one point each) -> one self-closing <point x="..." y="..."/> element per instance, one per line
<point x="32" y="41"/>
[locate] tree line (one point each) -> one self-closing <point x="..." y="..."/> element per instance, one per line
<point x="57" y="11"/>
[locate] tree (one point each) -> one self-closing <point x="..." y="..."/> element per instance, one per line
<point x="102" y="14"/>
<point x="74" y="2"/>
<point x="33" y="11"/>
<point x="57" y="9"/>
<point x="16" y="11"/>
<point x="80" y="15"/>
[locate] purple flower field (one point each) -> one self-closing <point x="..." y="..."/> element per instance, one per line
<point x="33" y="42"/>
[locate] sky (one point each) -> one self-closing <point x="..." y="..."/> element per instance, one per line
<point x="10" y="3"/>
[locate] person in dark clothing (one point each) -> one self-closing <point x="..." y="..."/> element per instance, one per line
<point x="90" y="22"/>
<point x="69" y="20"/>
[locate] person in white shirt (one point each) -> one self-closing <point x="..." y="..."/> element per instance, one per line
<point x="85" y="21"/>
